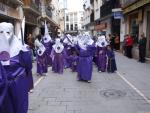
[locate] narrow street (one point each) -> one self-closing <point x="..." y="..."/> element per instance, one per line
<point x="126" y="91"/>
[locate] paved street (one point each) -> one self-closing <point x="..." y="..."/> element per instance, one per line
<point x="127" y="91"/>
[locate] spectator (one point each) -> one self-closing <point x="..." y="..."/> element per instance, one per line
<point x="117" y="42"/>
<point x="129" y="45"/>
<point x="142" y="48"/>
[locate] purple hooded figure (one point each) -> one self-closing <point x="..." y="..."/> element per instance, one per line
<point x="42" y="67"/>
<point x="17" y="68"/>
<point x="84" y="67"/>
<point x="47" y="42"/>
<point x="101" y="53"/>
<point x="58" y="55"/>
<point x="6" y="105"/>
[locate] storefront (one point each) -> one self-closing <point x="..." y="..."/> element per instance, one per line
<point x="136" y="21"/>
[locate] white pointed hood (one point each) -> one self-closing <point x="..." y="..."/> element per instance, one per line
<point x="101" y="42"/>
<point x="58" y="46"/>
<point x="40" y="47"/>
<point x="46" y="36"/>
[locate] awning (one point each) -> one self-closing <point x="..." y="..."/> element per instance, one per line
<point x="136" y="5"/>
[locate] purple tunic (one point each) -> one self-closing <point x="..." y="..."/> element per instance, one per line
<point x="48" y="47"/>
<point x="6" y="105"/>
<point x="17" y="73"/>
<point x="84" y="67"/>
<point x="26" y="61"/>
<point x="57" y="62"/>
<point x="73" y="59"/>
<point x="111" y="67"/>
<point x="102" y="59"/>
<point x="42" y="64"/>
<point x="67" y="50"/>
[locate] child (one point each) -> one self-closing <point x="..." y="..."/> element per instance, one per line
<point x="74" y="60"/>
<point x="111" y="62"/>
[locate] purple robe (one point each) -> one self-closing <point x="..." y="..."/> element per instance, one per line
<point x="42" y="64"/>
<point x="17" y="73"/>
<point x="26" y="61"/>
<point x="101" y="59"/>
<point x="111" y="67"/>
<point x="84" y="67"/>
<point x="57" y="61"/>
<point x="6" y="105"/>
<point x="67" y="49"/>
<point x="48" y="47"/>
<point x="73" y="59"/>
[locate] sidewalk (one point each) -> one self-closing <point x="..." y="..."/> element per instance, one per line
<point x="135" y="72"/>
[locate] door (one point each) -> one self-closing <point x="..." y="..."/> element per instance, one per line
<point x="148" y="35"/>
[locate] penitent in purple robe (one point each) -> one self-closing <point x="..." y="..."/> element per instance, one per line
<point x="84" y="67"/>
<point x="111" y="67"/>
<point x="101" y="59"/>
<point x="6" y="105"/>
<point x="17" y="75"/>
<point x="48" y="47"/>
<point x="73" y="59"/>
<point x="68" y="50"/>
<point x="42" y="64"/>
<point x="57" y="61"/>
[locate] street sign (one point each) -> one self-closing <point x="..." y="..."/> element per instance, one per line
<point x="118" y="15"/>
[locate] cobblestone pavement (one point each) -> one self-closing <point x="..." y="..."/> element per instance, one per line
<point x="107" y="93"/>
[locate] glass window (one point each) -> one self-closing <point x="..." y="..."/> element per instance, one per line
<point x="71" y="27"/>
<point x="67" y="27"/>
<point x="76" y="27"/>
<point x="67" y="18"/>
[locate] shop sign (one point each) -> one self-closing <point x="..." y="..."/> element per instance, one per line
<point x="135" y="6"/>
<point x="118" y="15"/>
<point x="3" y="9"/>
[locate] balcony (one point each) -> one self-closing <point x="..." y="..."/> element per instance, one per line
<point x="12" y="3"/>
<point x="126" y="3"/>
<point x="32" y="6"/>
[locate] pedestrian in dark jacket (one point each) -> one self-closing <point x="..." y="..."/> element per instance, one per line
<point x="142" y="48"/>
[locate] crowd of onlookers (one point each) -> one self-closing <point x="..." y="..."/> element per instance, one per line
<point x="128" y="44"/>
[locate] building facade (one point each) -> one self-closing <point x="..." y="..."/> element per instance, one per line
<point x="136" y="21"/>
<point x="98" y="26"/>
<point x="88" y="16"/>
<point x="8" y="12"/>
<point x="73" y="22"/>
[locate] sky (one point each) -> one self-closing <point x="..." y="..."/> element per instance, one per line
<point x="74" y="5"/>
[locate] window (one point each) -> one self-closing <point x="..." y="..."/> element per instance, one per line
<point x="71" y="27"/>
<point x="76" y="27"/>
<point x="67" y="18"/>
<point x="67" y="27"/>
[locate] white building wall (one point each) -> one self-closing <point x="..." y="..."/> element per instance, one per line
<point x="73" y="21"/>
<point x="87" y="12"/>
<point x="55" y="14"/>
<point x="97" y="4"/>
